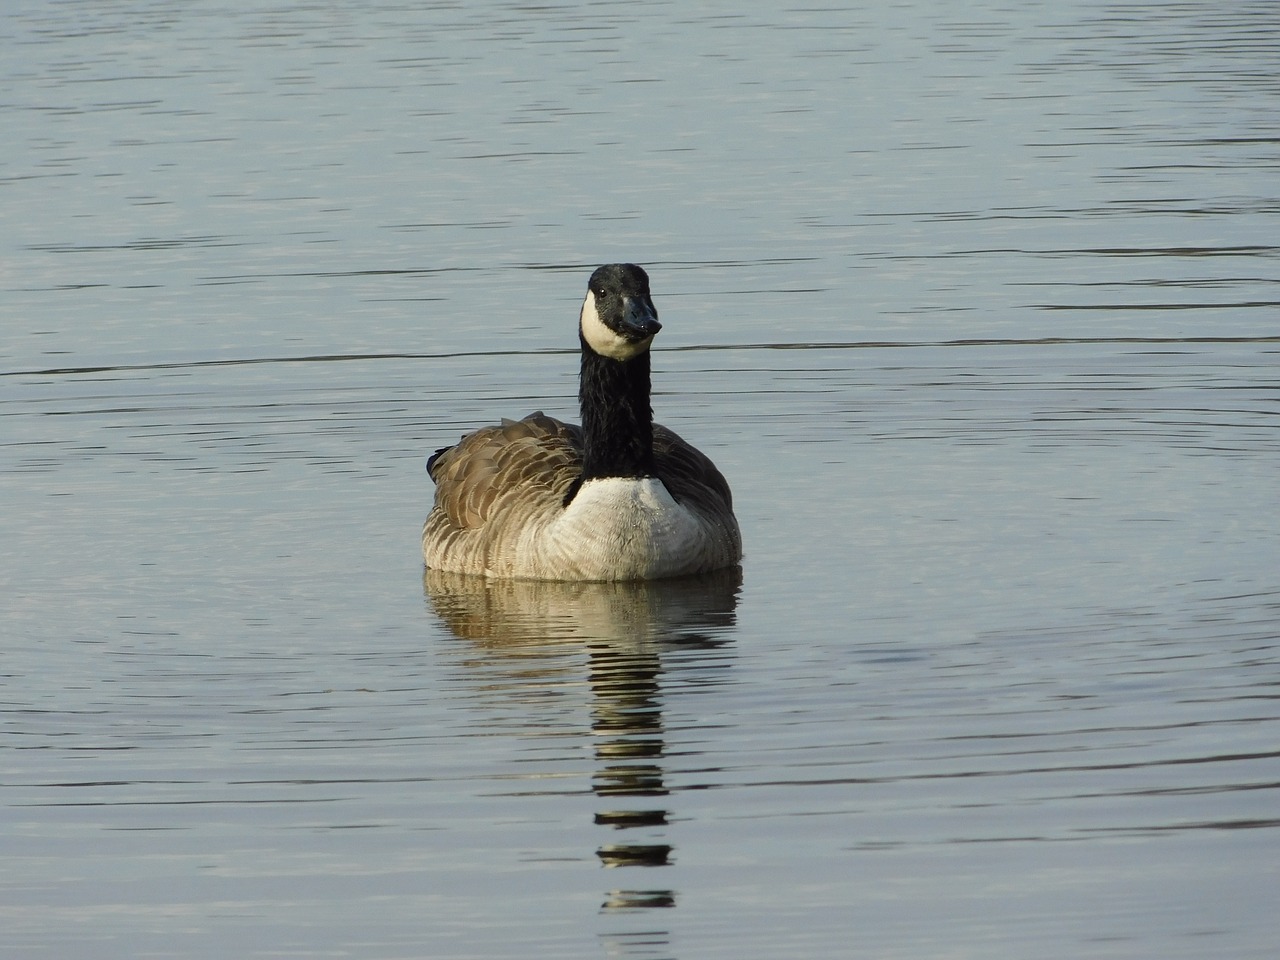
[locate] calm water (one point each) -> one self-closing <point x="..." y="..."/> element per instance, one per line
<point x="975" y="305"/>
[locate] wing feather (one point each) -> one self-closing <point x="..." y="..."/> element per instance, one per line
<point x="690" y="475"/>
<point x="492" y="480"/>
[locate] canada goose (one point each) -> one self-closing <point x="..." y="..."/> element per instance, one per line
<point x="619" y="498"/>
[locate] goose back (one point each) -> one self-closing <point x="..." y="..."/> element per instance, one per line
<point x="504" y="507"/>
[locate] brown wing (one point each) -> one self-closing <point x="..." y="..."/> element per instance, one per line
<point x="690" y="476"/>
<point x="537" y="458"/>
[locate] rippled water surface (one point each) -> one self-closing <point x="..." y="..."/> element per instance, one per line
<point x="976" y="307"/>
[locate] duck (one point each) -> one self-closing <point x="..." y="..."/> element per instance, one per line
<point x="616" y="498"/>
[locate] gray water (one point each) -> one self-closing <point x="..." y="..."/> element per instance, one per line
<point x="974" y="304"/>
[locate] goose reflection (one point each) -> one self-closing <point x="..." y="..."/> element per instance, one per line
<point x="634" y="635"/>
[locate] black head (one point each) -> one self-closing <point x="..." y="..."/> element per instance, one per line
<point x="618" y="318"/>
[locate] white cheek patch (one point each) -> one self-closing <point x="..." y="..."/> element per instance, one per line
<point x="604" y="341"/>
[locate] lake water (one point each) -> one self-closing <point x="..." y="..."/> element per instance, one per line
<point x="976" y="305"/>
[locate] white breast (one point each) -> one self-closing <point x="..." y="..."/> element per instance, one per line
<point x="622" y="529"/>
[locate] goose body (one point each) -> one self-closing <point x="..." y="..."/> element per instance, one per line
<point x="618" y="498"/>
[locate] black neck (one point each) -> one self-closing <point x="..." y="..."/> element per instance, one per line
<point x="617" y="420"/>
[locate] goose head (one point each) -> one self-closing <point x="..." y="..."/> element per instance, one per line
<point x="618" y="318"/>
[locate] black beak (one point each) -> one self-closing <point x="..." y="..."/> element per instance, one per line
<point x="639" y="318"/>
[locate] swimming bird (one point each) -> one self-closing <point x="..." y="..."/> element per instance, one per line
<point x="617" y="498"/>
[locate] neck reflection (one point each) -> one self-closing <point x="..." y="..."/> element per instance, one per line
<point x="639" y="639"/>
